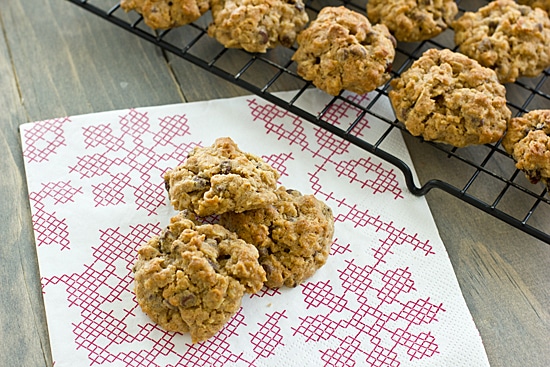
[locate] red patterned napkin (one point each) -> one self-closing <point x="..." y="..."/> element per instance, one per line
<point x="386" y="297"/>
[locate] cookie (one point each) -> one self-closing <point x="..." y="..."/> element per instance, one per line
<point x="340" y="50"/>
<point x="257" y="25"/>
<point x="447" y="97"/>
<point x="191" y="278"/>
<point x="293" y="236"/>
<point x="166" y="14"/>
<point x="221" y="178"/>
<point x="527" y="140"/>
<point x="510" y="38"/>
<point x="413" y="20"/>
<point x="543" y="4"/>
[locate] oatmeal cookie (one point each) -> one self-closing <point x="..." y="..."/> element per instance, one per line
<point x="342" y="50"/>
<point x="413" y="20"/>
<point x="447" y="97"/>
<point x="543" y="4"/>
<point x="527" y="140"/>
<point x="165" y="14"/>
<point x="293" y="236"/>
<point x="191" y="278"/>
<point x="221" y="178"/>
<point x="512" y="39"/>
<point x="257" y="25"/>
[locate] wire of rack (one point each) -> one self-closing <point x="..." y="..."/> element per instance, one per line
<point x="192" y="43"/>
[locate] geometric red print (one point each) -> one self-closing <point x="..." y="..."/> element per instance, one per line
<point x="48" y="228"/>
<point x="135" y="123"/>
<point x="97" y="135"/>
<point x="133" y="176"/>
<point x="340" y="111"/>
<point x="275" y="120"/>
<point x="372" y="311"/>
<point x="373" y="288"/>
<point x="364" y="172"/>
<point x="171" y="126"/>
<point x="421" y="345"/>
<point x="269" y="337"/>
<point x="111" y="192"/>
<point x="43" y="139"/>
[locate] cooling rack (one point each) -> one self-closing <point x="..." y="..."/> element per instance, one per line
<point x="512" y="199"/>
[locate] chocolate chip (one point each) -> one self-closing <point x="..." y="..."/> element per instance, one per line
<point x="264" y="37"/>
<point x="199" y="183"/>
<point x="389" y="66"/>
<point x="225" y="167"/>
<point x="286" y="41"/>
<point x="187" y="300"/>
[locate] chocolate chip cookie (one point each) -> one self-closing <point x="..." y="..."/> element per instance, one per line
<point x="342" y="50"/>
<point x="293" y="236"/>
<point x="257" y="25"/>
<point x="510" y="38"/>
<point x="447" y="97"/>
<point x="528" y="141"/>
<point x="191" y="278"/>
<point x="221" y="178"/>
<point x="165" y="14"/>
<point x="413" y="20"/>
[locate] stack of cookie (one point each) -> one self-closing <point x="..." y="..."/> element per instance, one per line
<point x="235" y="232"/>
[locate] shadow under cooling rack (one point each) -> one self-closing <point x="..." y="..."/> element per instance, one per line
<point x="511" y="197"/>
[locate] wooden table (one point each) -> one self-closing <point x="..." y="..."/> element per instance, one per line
<point x="57" y="60"/>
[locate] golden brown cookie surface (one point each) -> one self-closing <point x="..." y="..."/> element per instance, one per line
<point x="528" y="141"/>
<point x="510" y="38"/>
<point x="543" y="4"/>
<point x="221" y="178"/>
<point x="413" y="20"/>
<point x="257" y="25"/>
<point x="191" y="278"/>
<point x="165" y="14"/>
<point x="447" y="97"/>
<point x="340" y="50"/>
<point x="293" y="236"/>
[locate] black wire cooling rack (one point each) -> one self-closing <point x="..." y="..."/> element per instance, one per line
<point x="512" y="198"/>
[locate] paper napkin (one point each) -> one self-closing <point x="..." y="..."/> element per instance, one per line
<point x="387" y="296"/>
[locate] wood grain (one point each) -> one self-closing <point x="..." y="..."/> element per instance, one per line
<point x="56" y="60"/>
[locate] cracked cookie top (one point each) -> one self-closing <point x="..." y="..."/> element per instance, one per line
<point x="340" y="49"/>
<point x="221" y="178"/>
<point x="293" y="236"/>
<point x="510" y="38"/>
<point x="528" y="141"/>
<point x="447" y="97"/>
<point x="413" y="20"/>
<point x="165" y="14"/>
<point x="191" y="278"/>
<point x="257" y="25"/>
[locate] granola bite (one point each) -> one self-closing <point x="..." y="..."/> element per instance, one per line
<point x="509" y="38"/>
<point x="527" y="140"/>
<point x="293" y="236"/>
<point x="165" y="14"/>
<point x="449" y="98"/>
<point x="257" y="25"/>
<point x="221" y="178"/>
<point x="191" y="278"/>
<point x="342" y="50"/>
